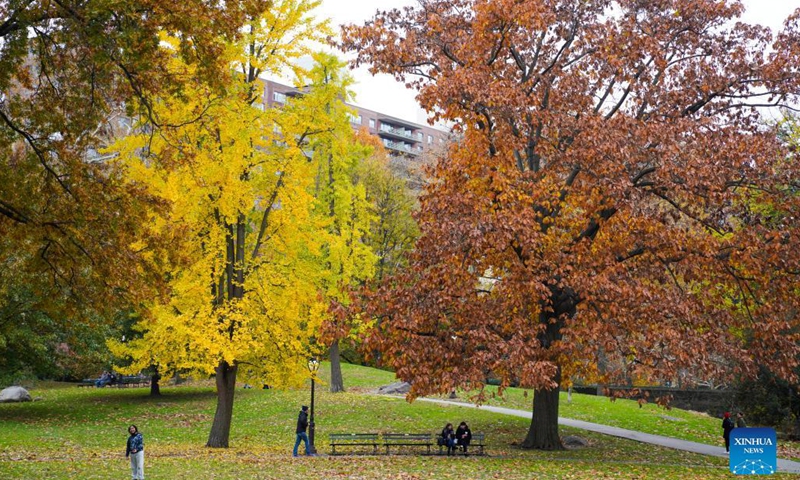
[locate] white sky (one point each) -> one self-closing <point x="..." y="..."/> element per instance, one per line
<point x="383" y="94"/>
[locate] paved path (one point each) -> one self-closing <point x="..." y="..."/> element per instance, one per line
<point x="786" y="466"/>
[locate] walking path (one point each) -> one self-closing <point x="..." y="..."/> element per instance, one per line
<point x="786" y="466"/>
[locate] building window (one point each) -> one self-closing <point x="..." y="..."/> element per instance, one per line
<point x="419" y="136"/>
<point x="354" y="119"/>
<point x="279" y="97"/>
<point x="430" y="139"/>
<point x="372" y="123"/>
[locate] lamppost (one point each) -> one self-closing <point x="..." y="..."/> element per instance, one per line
<point x="313" y="366"/>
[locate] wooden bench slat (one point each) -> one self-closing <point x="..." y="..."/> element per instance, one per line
<point x="353" y="440"/>
<point x="407" y="440"/>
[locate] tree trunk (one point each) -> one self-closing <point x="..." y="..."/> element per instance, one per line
<point x="337" y="382"/>
<point x="543" y="433"/>
<point x="226" y="387"/>
<point x="155" y="388"/>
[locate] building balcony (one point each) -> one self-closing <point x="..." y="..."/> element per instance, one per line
<point x="401" y="147"/>
<point x="388" y="131"/>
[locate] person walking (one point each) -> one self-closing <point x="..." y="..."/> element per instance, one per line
<point x="463" y="436"/>
<point x="302" y="424"/>
<point x="135" y="450"/>
<point x="727" y="426"/>
<point x="449" y="438"/>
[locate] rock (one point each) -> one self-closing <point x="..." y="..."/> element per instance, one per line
<point x="671" y="419"/>
<point x="396" y="388"/>
<point x="574" y="442"/>
<point x="15" y="394"/>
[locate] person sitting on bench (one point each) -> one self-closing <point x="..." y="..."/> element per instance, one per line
<point x="105" y="379"/>
<point x="463" y="436"/>
<point x="449" y="438"/>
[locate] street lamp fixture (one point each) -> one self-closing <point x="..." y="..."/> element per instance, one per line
<point x="313" y="366"/>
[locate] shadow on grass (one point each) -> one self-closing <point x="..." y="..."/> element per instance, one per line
<point x="79" y="406"/>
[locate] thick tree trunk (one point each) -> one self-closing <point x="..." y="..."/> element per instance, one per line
<point x="543" y="433"/>
<point x="155" y="388"/>
<point x="337" y="382"/>
<point x="226" y="387"/>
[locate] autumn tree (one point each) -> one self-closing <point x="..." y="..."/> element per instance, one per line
<point x="238" y="182"/>
<point x="68" y="70"/>
<point x="346" y="261"/>
<point x="596" y="208"/>
<point x="393" y="230"/>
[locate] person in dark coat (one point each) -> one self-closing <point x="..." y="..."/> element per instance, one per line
<point x="463" y="436"/>
<point x="449" y="438"/>
<point x="727" y="426"/>
<point x="302" y="424"/>
<point x="740" y="423"/>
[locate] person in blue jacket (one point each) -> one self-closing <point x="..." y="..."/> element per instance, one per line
<point x="135" y="451"/>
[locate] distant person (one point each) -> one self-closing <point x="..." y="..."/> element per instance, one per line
<point x="105" y="379"/>
<point x="135" y="451"/>
<point x="463" y="436"/>
<point x="740" y="423"/>
<point x="449" y="438"/>
<point x="302" y="424"/>
<point x="727" y="426"/>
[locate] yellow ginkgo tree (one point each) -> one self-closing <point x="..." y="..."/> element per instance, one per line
<point x="244" y="272"/>
<point x="346" y="259"/>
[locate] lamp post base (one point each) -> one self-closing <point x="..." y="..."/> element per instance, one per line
<point x="311" y="448"/>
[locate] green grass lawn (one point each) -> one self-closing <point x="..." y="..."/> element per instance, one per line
<point x="629" y="414"/>
<point x="80" y="433"/>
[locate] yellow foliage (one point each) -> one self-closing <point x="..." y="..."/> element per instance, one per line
<point x="247" y="235"/>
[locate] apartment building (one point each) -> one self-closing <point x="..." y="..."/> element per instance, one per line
<point x="400" y="137"/>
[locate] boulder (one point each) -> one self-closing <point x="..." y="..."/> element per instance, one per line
<point x="396" y="388"/>
<point x="671" y="419"/>
<point x="15" y="394"/>
<point x="572" y="441"/>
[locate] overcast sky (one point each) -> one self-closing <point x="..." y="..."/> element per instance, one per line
<point x="383" y="94"/>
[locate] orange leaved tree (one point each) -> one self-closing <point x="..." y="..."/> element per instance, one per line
<point x="616" y="209"/>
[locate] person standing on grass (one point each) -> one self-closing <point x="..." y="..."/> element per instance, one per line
<point x="740" y="423"/>
<point x="302" y="424"/>
<point x="463" y="436"/>
<point x="135" y="451"/>
<point x="727" y="426"/>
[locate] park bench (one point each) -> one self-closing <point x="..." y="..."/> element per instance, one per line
<point x="478" y="441"/>
<point x="119" y="382"/>
<point x="354" y="440"/>
<point x="408" y="440"/>
<point x="132" y="381"/>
